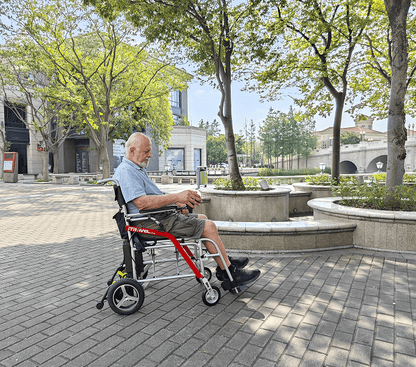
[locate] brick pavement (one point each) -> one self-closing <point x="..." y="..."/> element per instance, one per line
<point x="59" y="245"/>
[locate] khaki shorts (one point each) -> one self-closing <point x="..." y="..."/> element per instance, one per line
<point x="179" y="225"/>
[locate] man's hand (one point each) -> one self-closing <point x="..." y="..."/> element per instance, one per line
<point x="190" y="198"/>
<point x="183" y="211"/>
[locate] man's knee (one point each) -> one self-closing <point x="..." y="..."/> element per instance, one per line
<point x="209" y="228"/>
<point x="202" y="216"/>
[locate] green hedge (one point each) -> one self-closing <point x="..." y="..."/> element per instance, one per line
<point x="250" y="184"/>
<point x="291" y="172"/>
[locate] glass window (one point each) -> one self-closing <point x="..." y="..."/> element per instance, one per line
<point x="175" y="98"/>
<point x="15" y="115"/>
<point x="174" y="157"/>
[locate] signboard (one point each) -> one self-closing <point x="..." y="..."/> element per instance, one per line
<point x="8" y="166"/>
<point x="119" y="152"/>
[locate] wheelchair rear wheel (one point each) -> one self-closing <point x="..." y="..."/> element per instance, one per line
<point x="125" y="296"/>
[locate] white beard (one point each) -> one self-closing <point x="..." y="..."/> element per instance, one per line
<point x="143" y="164"/>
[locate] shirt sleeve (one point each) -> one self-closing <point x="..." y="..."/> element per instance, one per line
<point x="132" y="185"/>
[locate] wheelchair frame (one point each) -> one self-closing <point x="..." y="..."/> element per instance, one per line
<point x="126" y="295"/>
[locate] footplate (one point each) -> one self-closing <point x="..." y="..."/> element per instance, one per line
<point x="238" y="289"/>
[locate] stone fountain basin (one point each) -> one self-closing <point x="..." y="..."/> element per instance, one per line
<point x="247" y="206"/>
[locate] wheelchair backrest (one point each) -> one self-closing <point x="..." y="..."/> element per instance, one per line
<point x="119" y="196"/>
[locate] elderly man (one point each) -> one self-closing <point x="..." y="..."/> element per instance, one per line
<point x="140" y="193"/>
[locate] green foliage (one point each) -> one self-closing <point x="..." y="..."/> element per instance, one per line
<point x="409" y="178"/>
<point x="319" y="180"/>
<point x="377" y="196"/>
<point x="112" y="84"/>
<point x="350" y="137"/>
<point x="250" y="184"/>
<point x="379" y="177"/>
<point x="286" y="135"/>
<point x="216" y="150"/>
<point x="290" y="172"/>
<point x="327" y="180"/>
<point x="183" y="121"/>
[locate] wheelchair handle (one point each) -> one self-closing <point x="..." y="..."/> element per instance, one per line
<point x="102" y="182"/>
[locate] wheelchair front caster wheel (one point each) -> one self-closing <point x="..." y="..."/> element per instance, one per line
<point x="125" y="296"/>
<point x="99" y="305"/>
<point x="207" y="274"/>
<point x="211" y="298"/>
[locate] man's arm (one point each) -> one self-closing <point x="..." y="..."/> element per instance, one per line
<point x="148" y="202"/>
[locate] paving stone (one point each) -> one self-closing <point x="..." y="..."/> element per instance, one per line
<point x="348" y="307"/>
<point x="360" y="353"/>
<point x="337" y="357"/>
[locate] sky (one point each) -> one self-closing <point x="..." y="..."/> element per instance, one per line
<point x="204" y="100"/>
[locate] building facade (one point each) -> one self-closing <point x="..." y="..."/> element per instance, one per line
<point x="77" y="153"/>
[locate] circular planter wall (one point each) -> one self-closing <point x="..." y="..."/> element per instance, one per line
<point x="247" y="206"/>
<point x="317" y="191"/>
<point x="379" y="229"/>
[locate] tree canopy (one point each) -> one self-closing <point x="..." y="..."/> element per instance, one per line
<point x="112" y="83"/>
<point x="205" y="33"/>
<point x="308" y="46"/>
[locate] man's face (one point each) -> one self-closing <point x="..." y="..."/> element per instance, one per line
<point x="141" y="153"/>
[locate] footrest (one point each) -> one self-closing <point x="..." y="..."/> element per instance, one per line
<point x="238" y="289"/>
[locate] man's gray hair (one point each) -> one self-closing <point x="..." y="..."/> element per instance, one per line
<point x="133" y="139"/>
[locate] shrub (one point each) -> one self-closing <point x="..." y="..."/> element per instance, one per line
<point x="379" y="177"/>
<point x="373" y="195"/>
<point x="292" y="172"/>
<point x="409" y="178"/>
<point x="319" y="180"/>
<point x="326" y="180"/>
<point x="250" y="183"/>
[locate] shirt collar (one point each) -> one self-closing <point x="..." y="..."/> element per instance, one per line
<point x="128" y="161"/>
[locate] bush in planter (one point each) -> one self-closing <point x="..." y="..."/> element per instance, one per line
<point x="326" y="180"/>
<point x="293" y="172"/>
<point x="376" y="196"/>
<point x="379" y="177"/>
<point x="251" y="184"/>
<point x="409" y="178"/>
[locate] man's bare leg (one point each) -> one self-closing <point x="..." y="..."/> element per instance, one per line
<point x="210" y="231"/>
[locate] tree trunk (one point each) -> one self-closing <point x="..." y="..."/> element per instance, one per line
<point x="397" y="11"/>
<point x="336" y="148"/>
<point x="55" y="159"/>
<point x="226" y="119"/>
<point x="105" y="160"/>
<point x="45" y="165"/>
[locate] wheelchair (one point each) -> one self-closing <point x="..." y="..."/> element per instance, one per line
<point x="140" y="266"/>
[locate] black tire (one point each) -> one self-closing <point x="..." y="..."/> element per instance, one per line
<point x="207" y="274"/>
<point x="213" y="299"/>
<point x="99" y="305"/>
<point x="125" y="296"/>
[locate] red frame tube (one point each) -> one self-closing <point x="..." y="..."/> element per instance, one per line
<point x="174" y="241"/>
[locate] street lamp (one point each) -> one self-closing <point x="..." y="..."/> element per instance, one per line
<point x="379" y="166"/>
<point x="322" y="166"/>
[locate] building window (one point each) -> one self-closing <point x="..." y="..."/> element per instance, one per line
<point x="15" y="116"/>
<point x="175" y="99"/>
<point x="174" y="157"/>
<point x="324" y="145"/>
<point x="330" y="142"/>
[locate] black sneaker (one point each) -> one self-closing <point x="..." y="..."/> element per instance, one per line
<point x="239" y="263"/>
<point x="240" y="277"/>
